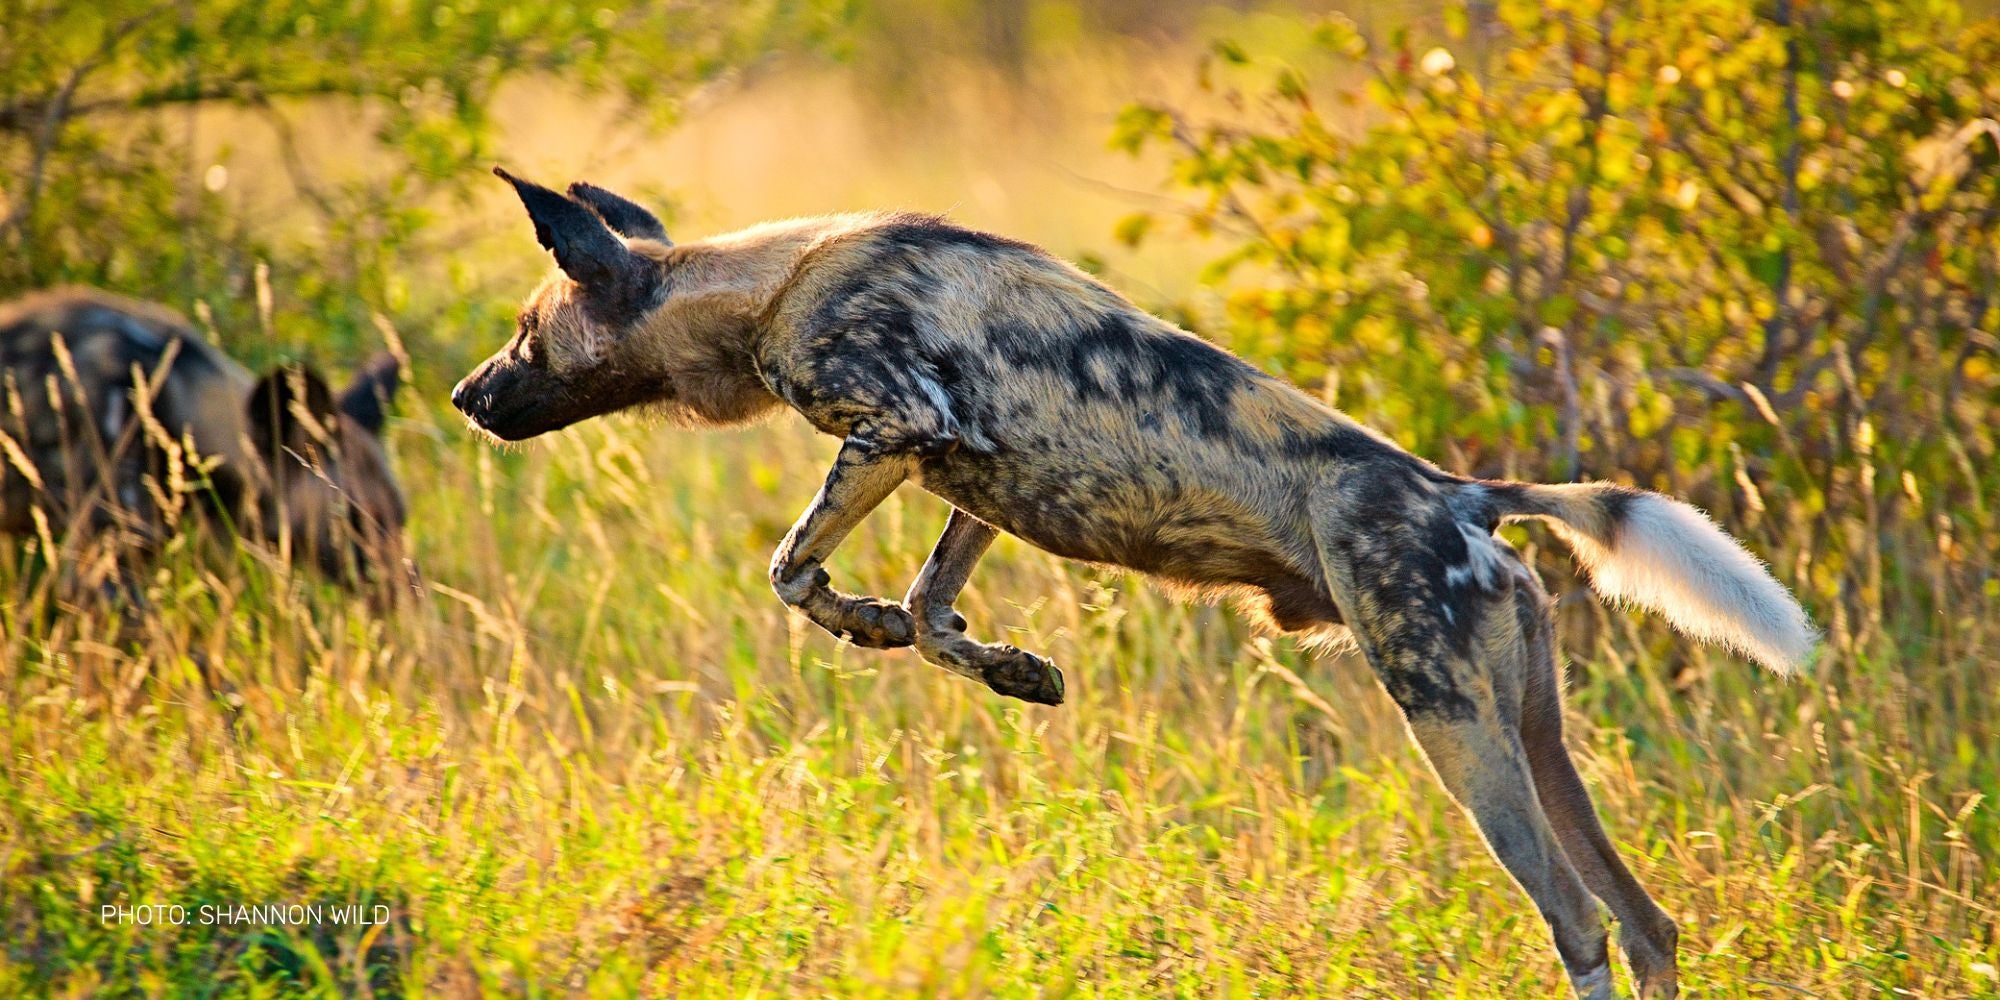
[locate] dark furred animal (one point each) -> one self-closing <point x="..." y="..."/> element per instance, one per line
<point x="1038" y="402"/>
<point x="86" y="446"/>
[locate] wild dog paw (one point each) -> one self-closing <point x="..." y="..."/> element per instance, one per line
<point x="797" y="584"/>
<point x="1650" y="954"/>
<point x="879" y="624"/>
<point x="1020" y="674"/>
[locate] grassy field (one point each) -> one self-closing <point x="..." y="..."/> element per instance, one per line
<point x="600" y="758"/>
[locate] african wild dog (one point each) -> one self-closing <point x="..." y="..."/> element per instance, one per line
<point x="291" y="462"/>
<point x="1037" y="401"/>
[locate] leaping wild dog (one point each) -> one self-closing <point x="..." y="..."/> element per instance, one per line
<point x="102" y="396"/>
<point x="1037" y="401"/>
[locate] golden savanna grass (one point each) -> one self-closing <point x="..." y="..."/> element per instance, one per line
<point x="601" y="756"/>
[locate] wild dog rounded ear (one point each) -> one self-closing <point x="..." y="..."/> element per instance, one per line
<point x="627" y="217"/>
<point x="366" y="399"/>
<point x="585" y="248"/>
<point x="291" y="409"/>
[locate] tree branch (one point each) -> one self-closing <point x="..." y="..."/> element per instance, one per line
<point x="1781" y="288"/>
<point x="58" y="112"/>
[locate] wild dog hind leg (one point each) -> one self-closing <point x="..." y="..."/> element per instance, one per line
<point x="941" y="637"/>
<point x="1646" y="933"/>
<point x="1431" y="601"/>
<point x="863" y="475"/>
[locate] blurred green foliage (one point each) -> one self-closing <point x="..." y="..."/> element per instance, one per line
<point x="100" y="103"/>
<point x="1743" y="252"/>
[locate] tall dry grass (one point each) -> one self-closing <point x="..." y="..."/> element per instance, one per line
<point x="600" y="756"/>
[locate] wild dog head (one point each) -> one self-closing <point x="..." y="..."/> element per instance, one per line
<point x="330" y="494"/>
<point x="574" y="354"/>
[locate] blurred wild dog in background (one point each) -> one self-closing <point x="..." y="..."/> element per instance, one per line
<point x="117" y="420"/>
<point x="1036" y="400"/>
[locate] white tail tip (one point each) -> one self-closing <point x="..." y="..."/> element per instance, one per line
<point x="1669" y="557"/>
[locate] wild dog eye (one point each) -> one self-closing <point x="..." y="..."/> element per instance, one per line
<point x="526" y="344"/>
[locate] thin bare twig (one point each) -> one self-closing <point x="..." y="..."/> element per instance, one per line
<point x="58" y="112"/>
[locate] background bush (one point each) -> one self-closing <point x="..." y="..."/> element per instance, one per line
<point x="118" y="117"/>
<point x="1743" y="253"/>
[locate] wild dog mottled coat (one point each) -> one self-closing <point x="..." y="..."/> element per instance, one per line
<point x="1037" y="401"/>
<point x="290" y="461"/>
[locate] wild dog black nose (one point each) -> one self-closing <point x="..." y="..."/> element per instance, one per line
<point x="459" y="396"/>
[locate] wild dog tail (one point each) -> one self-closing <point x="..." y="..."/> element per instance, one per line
<point x="1658" y="553"/>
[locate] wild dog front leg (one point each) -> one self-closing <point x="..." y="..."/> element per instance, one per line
<point x="863" y="476"/>
<point x="941" y="637"/>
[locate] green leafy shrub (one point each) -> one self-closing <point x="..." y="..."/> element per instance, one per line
<point x="1741" y="252"/>
<point x="108" y="109"/>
